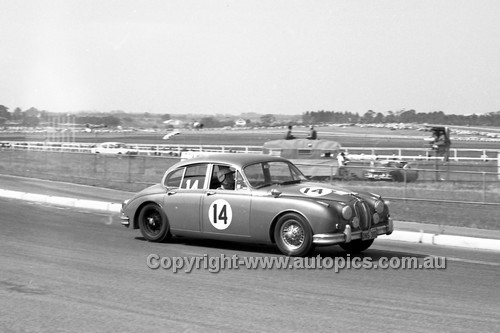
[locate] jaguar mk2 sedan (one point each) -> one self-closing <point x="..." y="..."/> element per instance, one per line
<point x="255" y="198"/>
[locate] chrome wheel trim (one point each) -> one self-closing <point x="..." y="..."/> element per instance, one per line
<point x="292" y="234"/>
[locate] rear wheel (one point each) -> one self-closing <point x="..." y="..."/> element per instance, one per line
<point x="357" y="245"/>
<point x="153" y="223"/>
<point x="293" y="235"/>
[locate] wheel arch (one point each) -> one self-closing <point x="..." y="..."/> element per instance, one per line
<point x="135" y="221"/>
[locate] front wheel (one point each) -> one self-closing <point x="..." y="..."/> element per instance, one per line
<point x="153" y="223"/>
<point x="357" y="245"/>
<point x="293" y="235"/>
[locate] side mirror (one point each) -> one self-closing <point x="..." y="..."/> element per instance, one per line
<point x="275" y="192"/>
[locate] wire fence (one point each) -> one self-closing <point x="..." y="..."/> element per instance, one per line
<point x="472" y="182"/>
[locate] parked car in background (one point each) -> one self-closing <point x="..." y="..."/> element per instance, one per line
<point x="116" y="148"/>
<point x="5" y="144"/>
<point x="391" y="170"/>
<point x="259" y="199"/>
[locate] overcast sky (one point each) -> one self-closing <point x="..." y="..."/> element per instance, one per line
<point x="288" y="57"/>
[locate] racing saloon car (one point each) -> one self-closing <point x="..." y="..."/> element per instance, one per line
<point x="391" y="170"/>
<point x="255" y="198"/>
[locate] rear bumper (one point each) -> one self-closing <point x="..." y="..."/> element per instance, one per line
<point x="347" y="235"/>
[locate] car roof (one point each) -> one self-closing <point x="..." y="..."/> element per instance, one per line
<point x="238" y="159"/>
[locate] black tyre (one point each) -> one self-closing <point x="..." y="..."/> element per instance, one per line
<point x="153" y="223"/>
<point x="293" y="235"/>
<point x="357" y="245"/>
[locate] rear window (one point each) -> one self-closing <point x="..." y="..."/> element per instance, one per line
<point x="190" y="177"/>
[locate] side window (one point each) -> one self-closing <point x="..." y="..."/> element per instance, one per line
<point x="225" y="177"/>
<point x="173" y="180"/>
<point x="194" y="177"/>
<point x="255" y="174"/>
<point x="241" y="184"/>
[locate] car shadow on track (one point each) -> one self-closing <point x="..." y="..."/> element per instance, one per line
<point x="222" y="245"/>
<point x="337" y="252"/>
<point x="332" y="251"/>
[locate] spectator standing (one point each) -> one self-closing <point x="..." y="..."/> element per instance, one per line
<point x="341" y="159"/>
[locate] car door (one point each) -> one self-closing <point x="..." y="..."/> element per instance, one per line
<point x="185" y="188"/>
<point x="225" y="213"/>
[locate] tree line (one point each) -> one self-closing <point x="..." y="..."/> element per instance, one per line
<point x="33" y="117"/>
<point x="404" y="116"/>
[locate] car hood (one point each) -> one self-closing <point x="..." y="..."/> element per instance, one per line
<point x="319" y="191"/>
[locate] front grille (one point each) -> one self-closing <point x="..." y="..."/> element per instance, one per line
<point x="363" y="213"/>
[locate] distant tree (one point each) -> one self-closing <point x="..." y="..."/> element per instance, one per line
<point x="307" y="118"/>
<point x="379" y="118"/>
<point x="31" y="121"/>
<point x="407" y="116"/>
<point x="111" y="121"/>
<point x="391" y="117"/>
<point x="2" y="121"/>
<point x="4" y="112"/>
<point x="31" y="112"/>
<point x="165" y="116"/>
<point x="267" y="119"/>
<point x="209" y="122"/>
<point x="368" y="117"/>
<point x="96" y="120"/>
<point x="18" y="114"/>
<point x="44" y="115"/>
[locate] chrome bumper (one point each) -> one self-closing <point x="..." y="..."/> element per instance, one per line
<point x="348" y="235"/>
<point x="125" y="220"/>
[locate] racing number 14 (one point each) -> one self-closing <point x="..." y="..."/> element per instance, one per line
<point x="221" y="215"/>
<point x="313" y="190"/>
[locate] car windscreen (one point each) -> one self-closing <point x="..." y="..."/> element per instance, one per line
<point x="275" y="172"/>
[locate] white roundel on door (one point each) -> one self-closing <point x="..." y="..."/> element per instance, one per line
<point x="220" y="214"/>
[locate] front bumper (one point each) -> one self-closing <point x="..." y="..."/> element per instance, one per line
<point x="125" y="220"/>
<point x="347" y="235"/>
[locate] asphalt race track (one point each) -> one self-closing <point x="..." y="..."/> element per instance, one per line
<point x="81" y="271"/>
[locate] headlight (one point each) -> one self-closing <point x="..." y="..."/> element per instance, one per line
<point x="379" y="206"/>
<point x="346" y="212"/>
<point x="125" y="202"/>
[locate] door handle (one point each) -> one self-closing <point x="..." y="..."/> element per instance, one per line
<point x="171" y="192"/>
<point x="211" y="193"/>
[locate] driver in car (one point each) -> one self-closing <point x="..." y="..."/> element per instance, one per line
<point x="226" y="177"/>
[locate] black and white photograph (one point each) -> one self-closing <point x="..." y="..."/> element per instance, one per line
<point x="250" y="166"/>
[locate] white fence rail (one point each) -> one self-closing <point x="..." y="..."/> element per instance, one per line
<point x="355" y="153"/>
